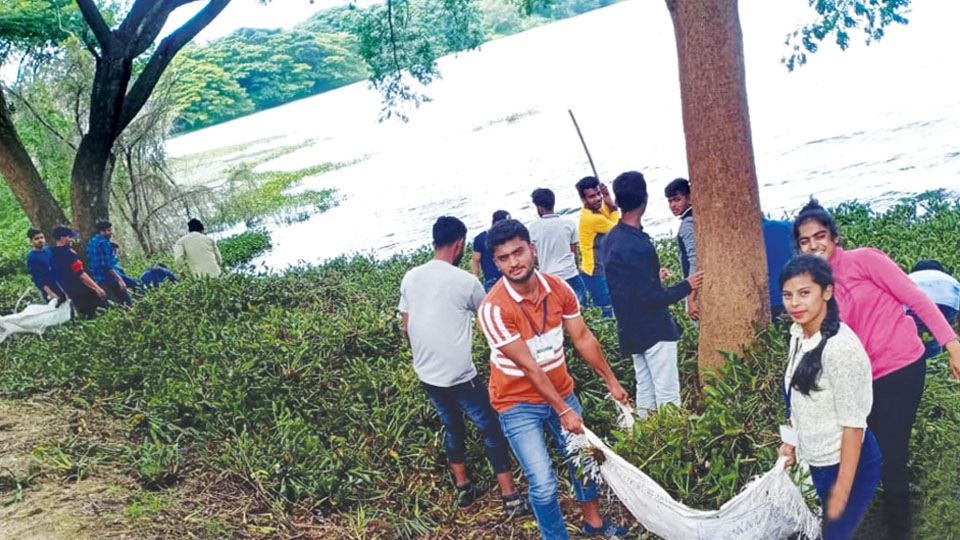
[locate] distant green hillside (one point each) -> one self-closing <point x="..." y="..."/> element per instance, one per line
<point x="255" y="69"/>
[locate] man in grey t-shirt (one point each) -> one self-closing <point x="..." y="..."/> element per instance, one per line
<point x="438" y="301"/>
<point x="556" y="239"/>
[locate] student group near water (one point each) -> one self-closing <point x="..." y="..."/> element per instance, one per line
<point x="852" y="380"/>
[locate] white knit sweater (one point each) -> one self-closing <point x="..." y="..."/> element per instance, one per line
<point x="843" y="398"/>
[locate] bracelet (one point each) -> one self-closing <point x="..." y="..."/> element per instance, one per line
<point x="565" y="411"/>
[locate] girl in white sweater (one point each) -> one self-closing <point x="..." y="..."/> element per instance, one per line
<point x="828" y="389"/>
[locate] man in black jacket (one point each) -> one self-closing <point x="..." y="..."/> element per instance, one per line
<point x="646" y="329"/>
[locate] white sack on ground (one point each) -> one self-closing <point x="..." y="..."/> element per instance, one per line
<point x="769" y="507"/>
<point x="34" y="319"/>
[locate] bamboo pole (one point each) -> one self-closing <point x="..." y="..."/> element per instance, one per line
<point x="584" y="143"/>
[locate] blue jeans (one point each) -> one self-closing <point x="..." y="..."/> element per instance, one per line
<point x="861" y="493"/>
<point x="576" y="283"/>
<point x="599" y="293"/>
<point x="523" y="425"/>
<point x="471" y="398"/>
<point x="489" y="283"/>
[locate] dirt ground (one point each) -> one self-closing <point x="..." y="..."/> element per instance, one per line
<point x="63" y="476"/>
<point x="48" y="506"/>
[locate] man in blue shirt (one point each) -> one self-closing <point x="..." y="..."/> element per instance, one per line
<point x="645" y="327"/>
<point x="483" y="257"/>
<point x="778" y="243"/>
<point x="104" y="267"/>
<point x="38" y="263"/>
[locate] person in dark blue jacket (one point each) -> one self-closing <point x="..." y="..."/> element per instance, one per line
<point x="778" y="243"/>
<point x="645" y="327"/>
<point x="38" y="263"/>
<point x="157" y="274"/>
<point x="483" y="257"/>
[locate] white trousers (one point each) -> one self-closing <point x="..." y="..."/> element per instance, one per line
<point x="658" y="381"/>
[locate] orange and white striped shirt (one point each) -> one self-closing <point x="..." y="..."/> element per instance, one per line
<point x="505" y="317"/>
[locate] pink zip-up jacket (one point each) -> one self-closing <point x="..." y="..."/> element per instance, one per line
<point x="871" y="291"/>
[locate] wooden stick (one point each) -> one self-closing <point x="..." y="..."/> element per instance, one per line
<point x="584" y="143"/>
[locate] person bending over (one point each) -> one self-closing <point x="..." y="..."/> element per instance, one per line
<point x="943" y="289"/>
<point x="524" y="318"/>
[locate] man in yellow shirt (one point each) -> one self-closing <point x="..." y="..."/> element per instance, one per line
<point x="598" y="216"/>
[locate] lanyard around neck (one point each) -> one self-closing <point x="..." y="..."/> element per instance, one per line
<point x="543" y="328"/>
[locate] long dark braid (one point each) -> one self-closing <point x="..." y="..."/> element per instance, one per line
<point x="808" y="371"/>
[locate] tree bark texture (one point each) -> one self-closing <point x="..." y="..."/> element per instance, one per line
<point x="92" y="166"/>
<point x="723" y="177"/>
<point x="23" y="178"/>
<point x="113" y="103"/>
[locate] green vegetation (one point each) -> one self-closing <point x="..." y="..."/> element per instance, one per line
<point x="240" y="249"/>
<point x="301" y="385"/>
<point x="250" y="196"/>
<point x="510" y="118"/>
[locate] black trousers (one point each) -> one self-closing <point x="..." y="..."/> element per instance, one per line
<point x="86" y="304"/>
<point x="115" y="294"/>
<point x="896" y="397"/>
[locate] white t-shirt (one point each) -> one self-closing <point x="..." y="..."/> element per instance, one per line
<point x="553" y="234"/>
<point x="440" y="301"/>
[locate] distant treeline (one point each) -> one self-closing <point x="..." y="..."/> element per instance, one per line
<point x="255" y="69"/>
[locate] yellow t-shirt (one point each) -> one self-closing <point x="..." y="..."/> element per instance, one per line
<point x="593" y="227"/>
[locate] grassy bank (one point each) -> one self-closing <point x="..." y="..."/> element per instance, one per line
<point x="299" y="388"/>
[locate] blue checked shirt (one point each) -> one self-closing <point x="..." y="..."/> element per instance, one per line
<point x="102" y="259"/>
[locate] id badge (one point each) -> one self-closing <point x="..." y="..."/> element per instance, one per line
<point x="789" y="435"/>
<point x="544" y="354"/>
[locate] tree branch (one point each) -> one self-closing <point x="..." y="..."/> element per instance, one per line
<point x="95" y="21"/>
<point x="39" y="118"/>
<point x="169" y="47"/>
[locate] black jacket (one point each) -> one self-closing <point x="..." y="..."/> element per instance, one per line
<point x="640" y="300"/>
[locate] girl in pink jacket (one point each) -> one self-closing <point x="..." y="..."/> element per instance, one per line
<point x="871" y="291"/>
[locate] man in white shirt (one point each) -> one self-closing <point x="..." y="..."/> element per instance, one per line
<point x="438" y="301"/>
<point x="199" y="251"/>
<point x="556" y="239"/>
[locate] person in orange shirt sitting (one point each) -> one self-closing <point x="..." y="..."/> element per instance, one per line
<point x="524" y="317"/>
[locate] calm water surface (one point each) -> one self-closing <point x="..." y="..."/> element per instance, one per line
<point x="873" y="123"/>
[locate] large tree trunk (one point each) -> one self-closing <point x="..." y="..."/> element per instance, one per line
<point x="23" y="178"/>
<point x="93" y="164"/>
<point x="723" y="177"/>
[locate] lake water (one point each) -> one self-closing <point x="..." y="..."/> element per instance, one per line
<point x="873" y="123"/>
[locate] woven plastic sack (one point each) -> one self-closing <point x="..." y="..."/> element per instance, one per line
<point x="769" y="507"/>
<point x="34" y="319"/>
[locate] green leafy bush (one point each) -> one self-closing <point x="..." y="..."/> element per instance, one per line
<point x="240" y="249"/>
<point x="302" y="384"/>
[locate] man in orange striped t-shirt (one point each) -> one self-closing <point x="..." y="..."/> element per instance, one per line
<point x="524" y="317"/>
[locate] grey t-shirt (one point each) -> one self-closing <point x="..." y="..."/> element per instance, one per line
<point x="440" y="301"/>
<point x="553" y="234"/>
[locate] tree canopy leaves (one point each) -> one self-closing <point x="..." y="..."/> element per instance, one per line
<point x="838" y="18"/>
